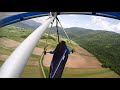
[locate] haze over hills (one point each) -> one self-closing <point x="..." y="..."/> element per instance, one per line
<point x="105" y="45"/>
<point x="27" y="24"/>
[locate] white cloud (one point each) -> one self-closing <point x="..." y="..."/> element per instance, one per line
<point x="105" y="23"/>
<point x="41" y="19"/>
<point x="99" y="21"/>
<point x="95" y="22"/>
<point x="72" y="15"/>
<point x="118" y="26"/>
<point x="62" y="23"/>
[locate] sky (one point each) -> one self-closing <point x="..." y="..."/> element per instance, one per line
<point x="86" y="21"/>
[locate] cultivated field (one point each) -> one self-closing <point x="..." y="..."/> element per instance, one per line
<point x="80" y="64"/>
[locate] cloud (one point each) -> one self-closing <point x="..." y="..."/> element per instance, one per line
<point x="99" y="21"/>
<point x="95" y="22"/>
<point x="41" y="19"/>
<point x="72" y="15"/>
<point x="105" y="23"/>
<point x="65" y="25"/>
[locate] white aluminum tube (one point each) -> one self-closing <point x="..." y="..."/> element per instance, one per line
<point x="14" y="65"/>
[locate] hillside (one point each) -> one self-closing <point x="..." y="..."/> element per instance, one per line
<point x="80" y="64"/>
<point x="104" y="45"/>
<point x="73" y="31"/>
<point x="27" y="24"/>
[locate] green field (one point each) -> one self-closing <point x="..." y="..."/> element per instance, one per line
<point x="104" y="45"/>
<point x="83" y="73"/>
<point x="33" y="71"/>
<point x="86" y="73"/>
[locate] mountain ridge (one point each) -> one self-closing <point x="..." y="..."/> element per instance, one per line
<point x="27" y="24"/>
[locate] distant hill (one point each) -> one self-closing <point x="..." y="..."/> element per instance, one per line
<point x="27" y="24"/>
<point x="72" y="32"/>
<point x="32" y="23"/>
<point x="105" y="45"/>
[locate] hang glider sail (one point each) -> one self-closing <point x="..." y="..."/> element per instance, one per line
<point x="13" y="17"/>
<point x="20" y="17"/>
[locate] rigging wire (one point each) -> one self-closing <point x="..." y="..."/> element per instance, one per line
<point x="65" y="33"/>
<point x="57" y="29"/>
<point x="50" y="31"/>
<point x="45" y="48"/>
